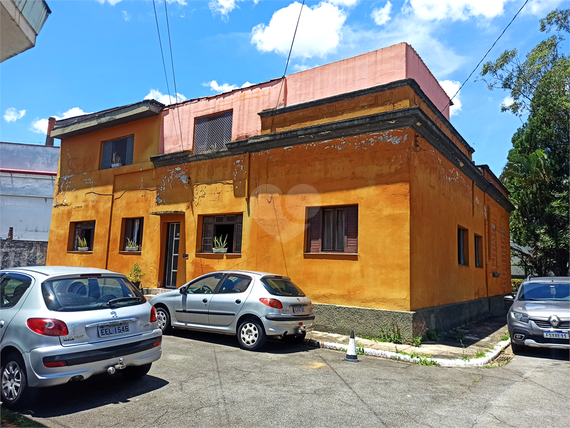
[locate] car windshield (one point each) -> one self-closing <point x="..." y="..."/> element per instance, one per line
<point x="89" y="293"/>
<point x="282" y="287"/>
<point x="544" y="291"/>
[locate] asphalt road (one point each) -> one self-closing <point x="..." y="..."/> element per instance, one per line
<point x="207" y="381"/>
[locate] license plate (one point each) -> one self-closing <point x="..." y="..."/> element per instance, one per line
<point x="298" y="308"/>
<point x="112" y="330"/>
<point x="556" y="335"/>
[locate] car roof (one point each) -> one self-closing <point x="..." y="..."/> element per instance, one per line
<point x="548" y="279"/>
<point x="250" y="272"/>
<point x="58" y="270"/>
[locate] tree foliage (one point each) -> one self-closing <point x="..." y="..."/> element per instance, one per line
<point x="536" y="173"/>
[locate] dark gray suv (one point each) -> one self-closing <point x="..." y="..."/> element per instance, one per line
<point x="540" y="314"/>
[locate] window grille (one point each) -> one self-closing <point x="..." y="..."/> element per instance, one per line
<point x="117" y="153"/>
<point x="213" y="132"/>
<point x="332" y="229"/>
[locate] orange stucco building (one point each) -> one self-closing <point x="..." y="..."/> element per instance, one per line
<point x="348" y="178"/>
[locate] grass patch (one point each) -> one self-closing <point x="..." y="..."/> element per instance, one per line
<point x="359" y="350"/>
<point x="11" y="418"/>
<point x="506" y="336"/>
<point x="431" y="335"/>
<point x="480" y="354"/>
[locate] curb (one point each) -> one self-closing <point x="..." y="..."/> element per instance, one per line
<point x="475" y="362"/>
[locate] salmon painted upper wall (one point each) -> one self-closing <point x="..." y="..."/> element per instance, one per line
<point x="379" y="67"/>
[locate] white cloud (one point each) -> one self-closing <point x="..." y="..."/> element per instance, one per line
<point x="382" y="15"/>
<point x="541" y="8"/>
<point x="301" y="67"/>
<point x="344" y="3"/>
<point x="507" y="101"/>
<point x="223" y="7"/>
<point x="216" y="87"/>
<point x="180" y="2"/>
<point x="438" y="10"/>
<point x="247" y="85"/>
<point x="319" y="31"/>
<point x="155" y="94"/>
<point x="451" y="87"/>
<point x="39" y="126"/>
<point x="12" y="115"/>
<point x="111" y="2"/>
<point x="126" y="15"/>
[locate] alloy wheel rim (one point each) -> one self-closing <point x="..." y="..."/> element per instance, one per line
<point x="249" y="334"/>
<point x="11" y="381"/>
<point x="161" y="319"/>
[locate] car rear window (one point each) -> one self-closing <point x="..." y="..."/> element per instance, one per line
<point x="545" y="291"/>
<point x="89" y="293"/>
<point x="281" y="287"/>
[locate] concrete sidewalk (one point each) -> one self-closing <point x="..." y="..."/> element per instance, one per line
<point x="475" y="344"/>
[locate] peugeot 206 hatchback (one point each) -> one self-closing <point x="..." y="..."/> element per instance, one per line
<point x="540" y="314"/>
<point x="63" y="324"/>
<point x="251" y="305"/>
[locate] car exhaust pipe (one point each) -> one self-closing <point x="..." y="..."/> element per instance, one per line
<point x="77" y="378"/>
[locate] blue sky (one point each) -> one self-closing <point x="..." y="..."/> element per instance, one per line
<point x="92" y="55"/>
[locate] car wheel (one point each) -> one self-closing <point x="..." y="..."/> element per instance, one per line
<point x="251" y="335"/>
<point x="516" y="348"/>
<point x="136" y="372"/>
<point x="163" y="320"/>
<point x="14" y="384"/>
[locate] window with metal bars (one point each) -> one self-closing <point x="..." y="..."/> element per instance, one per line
<point x="227" y="228"/>
<point x="332" y="229"/>
<point x="213" y="132"/>
<point x="133" y="233"/>
<point x="117" y="153"/>
<point x="83" y="232"/>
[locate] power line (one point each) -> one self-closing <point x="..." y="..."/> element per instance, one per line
<point x="173" y="73"/>
<point x="485" y="56"/>
<point x="289" y="56"/>
<point x="161" y="51"/>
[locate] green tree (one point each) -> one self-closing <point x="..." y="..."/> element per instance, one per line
<point x="536" y="173"/>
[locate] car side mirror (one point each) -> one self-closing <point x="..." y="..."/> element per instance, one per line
<point x="509" y="298"/>
<point x="182" y="290"/>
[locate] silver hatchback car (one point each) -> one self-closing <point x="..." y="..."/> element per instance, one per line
<point x="65" y="324"/>
<point x="251" y="305"/>
<point x="540" y="314"/>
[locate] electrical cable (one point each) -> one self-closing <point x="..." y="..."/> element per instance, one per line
<point x="289" y="56"/>
<point x="485" y="56"/>
<point x="173" y="73"/>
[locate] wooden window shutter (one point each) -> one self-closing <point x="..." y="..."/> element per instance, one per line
<point x="207" y="234"/>
<point x="351" y="229"/>
<point x="238" y="228"/>
<point x="314" y="230"/>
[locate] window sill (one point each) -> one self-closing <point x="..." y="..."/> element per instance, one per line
<point x="134" y="253"/>
<point x="218" y="255"/>
<point x="80" y="252"/>
<point x="331" y="256"/>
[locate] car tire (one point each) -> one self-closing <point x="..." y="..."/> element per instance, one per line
<point x="163" y="320"/>
<point x="15" y="389"/>
<point x="251" y="335"/>
<point x="136" y="372"/>
<point x="516" y="348"/>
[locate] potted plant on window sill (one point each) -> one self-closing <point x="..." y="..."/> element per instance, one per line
<point x="82" y="244"/>
<point x="117" y="161"/>
<point x="220" y="245"/>
<point x="136" y="275"/>
<point x="131" y="245"/>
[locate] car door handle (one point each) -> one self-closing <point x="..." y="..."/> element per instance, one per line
<point x="204" y="300"/>
<point x="238" y="301"/>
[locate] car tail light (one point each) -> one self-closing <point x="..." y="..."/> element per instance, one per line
<point x="55" y="363"/>
<point x="48" y="326"/>
<point x="272" y="303"/>
<point x="152" y="314"/>
<point x="157" y="343"/>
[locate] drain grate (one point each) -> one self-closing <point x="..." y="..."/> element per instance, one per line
<point x="503" y="359"/>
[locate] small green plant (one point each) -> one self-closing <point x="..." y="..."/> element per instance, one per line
<point x="131" y="243"/>
<point x="416" y="341"/>
<point x="81" y="242"/>
<point x="480" y="354"/>
<point x="220" y="243"/>
<point x="424" y="361"/>
<point x="506" y="336"/>
<point x="359" y="350"/>
<point x="465" y="358"/>
<point x="136" y="274"/>
<point x="431" y="335"/>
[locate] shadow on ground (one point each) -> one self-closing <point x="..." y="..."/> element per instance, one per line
<point x="94" y="392"/>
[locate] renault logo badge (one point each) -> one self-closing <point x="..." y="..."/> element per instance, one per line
<point x="554" y="320"/>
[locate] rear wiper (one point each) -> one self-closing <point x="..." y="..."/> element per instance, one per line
<point x="123" y="299"/>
